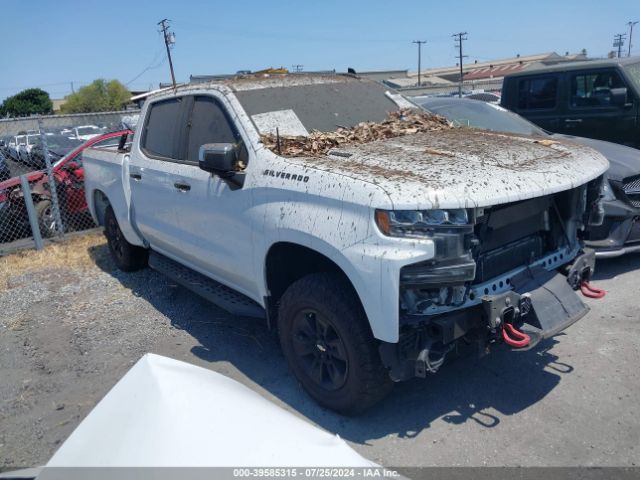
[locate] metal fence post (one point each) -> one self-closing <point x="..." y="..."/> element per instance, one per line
<point x="55" y="205"/>
<point x="31" y="211"/>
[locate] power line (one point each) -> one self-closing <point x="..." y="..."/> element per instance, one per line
<point x="419" y="43"/>
<point x="460" y="37"/>
<point x="152" y="65"/>
<point x="631" y="24"/>
<point x="618" y="41"/>
<point x="169" y="39"/>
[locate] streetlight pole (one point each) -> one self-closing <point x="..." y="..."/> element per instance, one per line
<point x="631" y="24"/>
<point x="419" y="43"/>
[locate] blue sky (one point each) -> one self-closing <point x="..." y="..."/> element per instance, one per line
<point x="50" y="44"/>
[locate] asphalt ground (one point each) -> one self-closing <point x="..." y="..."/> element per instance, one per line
<point x="68" y="334"/>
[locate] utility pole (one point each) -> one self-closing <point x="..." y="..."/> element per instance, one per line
<point x="631" y="24"/>
<point x="169" y="39"/>
<point x="618" y="41"/>
<point x="297" y="68"/>
<point x="460" y="37"/>
<point x="419" y="43"/>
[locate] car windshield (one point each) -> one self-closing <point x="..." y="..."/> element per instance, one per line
<point x="33" y="139"/>
<point x="21" y="140"/>
<point x="633" y="70"/>
<point x="478" y="114"/>
<point x="299" y="106"/>
<point x="88" y="130"/>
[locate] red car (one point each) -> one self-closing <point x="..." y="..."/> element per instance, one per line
<point x="69" y="178"/>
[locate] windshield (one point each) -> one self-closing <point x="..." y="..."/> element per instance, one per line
<point x="88" y="130"/>
<point x="33" y="139"/>
<point x="633" y="70"/>
<point x="21" y="140"/>
<point x="477" y="114"/>
<point x="323" y="106"/>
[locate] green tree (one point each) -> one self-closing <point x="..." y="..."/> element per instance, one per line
<point x="32" y="101"/>
<point x="99" y="96"/>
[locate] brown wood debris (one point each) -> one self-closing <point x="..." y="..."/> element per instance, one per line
<point x="397" y="124"/>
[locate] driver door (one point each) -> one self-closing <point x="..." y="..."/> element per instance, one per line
<point x="213" y="217"/>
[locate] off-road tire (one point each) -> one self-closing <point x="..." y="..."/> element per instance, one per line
<point x="126" y="256"/>
<point x="46" y="221"/>
<point x="366" y="380"/>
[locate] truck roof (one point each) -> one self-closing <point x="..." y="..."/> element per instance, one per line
<point x="259" y="81"/>
<point x="569" y="66"/>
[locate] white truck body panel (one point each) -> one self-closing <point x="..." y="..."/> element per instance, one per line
<point x="325" y="204"/>
<point x="160" y="400"/>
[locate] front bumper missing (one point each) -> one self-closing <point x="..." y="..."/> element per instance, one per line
<point x="541" y="304"/>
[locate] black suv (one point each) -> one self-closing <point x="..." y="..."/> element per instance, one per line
<point x="596" y="98"/>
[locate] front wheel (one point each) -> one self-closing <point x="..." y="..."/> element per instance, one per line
<point x="327" y="342"/>
<point x="127" y="257"/>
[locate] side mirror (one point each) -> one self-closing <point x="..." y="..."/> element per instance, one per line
<point x="218" y="158"/>
<point x="618" y="97"/>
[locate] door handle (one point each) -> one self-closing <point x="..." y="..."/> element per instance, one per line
<point x="573" y="120"/>
<point x="136" y="176"/>
<point x="183" y="187"/>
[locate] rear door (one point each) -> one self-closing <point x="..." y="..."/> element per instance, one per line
<point x="538" y="99"/>
<point x="590" y="112"/>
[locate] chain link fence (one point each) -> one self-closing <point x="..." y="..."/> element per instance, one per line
<point x="42" y="176"/>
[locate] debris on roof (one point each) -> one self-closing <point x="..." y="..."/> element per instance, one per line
<point x="398" y="123"/>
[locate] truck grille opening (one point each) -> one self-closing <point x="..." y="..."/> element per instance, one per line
<point x="517" y="234"/>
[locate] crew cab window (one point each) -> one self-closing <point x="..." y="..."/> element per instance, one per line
<point x="208" y="124"/>
<point x="537" y="93"/>
<point x="160" y="132"/>
<point x="594" y="89"/>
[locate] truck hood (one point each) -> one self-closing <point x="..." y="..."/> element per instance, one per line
<point x="464" y="168"/>
<point x="624" y="161"/>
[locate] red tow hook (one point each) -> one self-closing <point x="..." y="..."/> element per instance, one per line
<point x="590" y="291"/>
<point x="514" y="337"/>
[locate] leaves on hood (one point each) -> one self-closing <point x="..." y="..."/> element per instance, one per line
<point x="397" y="124"/>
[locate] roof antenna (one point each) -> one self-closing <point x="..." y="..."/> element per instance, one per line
<point x="278" y="141"/>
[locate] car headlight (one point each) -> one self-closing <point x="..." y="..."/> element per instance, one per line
<point x="450" y="230"/>
<point x="420" y="223"/>
<point x="607" y="191"/>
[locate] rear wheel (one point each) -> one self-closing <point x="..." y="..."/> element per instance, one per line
<point x="46" y="218"/>
<point x="127" y="257"/>
<point x="328" y="344"/>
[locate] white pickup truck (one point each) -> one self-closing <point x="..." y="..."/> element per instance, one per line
<point x="372" y="259"/>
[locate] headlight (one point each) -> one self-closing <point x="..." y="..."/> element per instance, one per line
<point x="607" y="191"/>
<point x="420" y="223"/>
<point x="451" y="232"/>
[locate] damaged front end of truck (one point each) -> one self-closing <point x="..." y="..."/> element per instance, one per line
<point x="501" y="274"/>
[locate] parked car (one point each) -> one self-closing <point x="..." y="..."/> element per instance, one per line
<point x="620" y="231"/>
<point x="374" y="259"/>
<point x="594" y="99"/>
<point x="85" y="132"/>
<point x="68" y="173"/>
<point x="5" y="172"/>
<point x="24" y="149"/>
<point x="14" y="144"/>
<point x="58" y="147"/>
